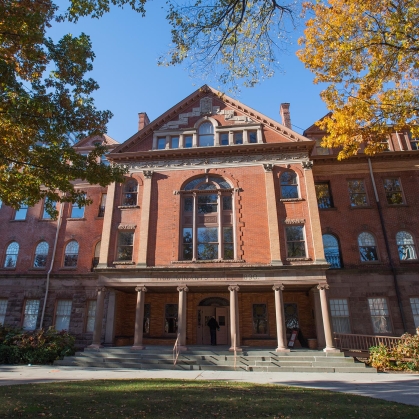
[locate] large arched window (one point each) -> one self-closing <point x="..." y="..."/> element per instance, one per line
<point x="129" y="196"/>
<point x="289" y="185"/>
<point x="41" y="254"/>
<point x="12" y="252"/>
<point x="207" y="219"/>
<point x="71" y="254"/>
<point x="367" y="247"/>
<point x="331" y="251"/>
<point x="406" y="246"/>
<point x="206" y="134"/>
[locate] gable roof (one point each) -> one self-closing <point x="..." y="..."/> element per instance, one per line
<point x="314" y="129"/>
<point x="89" y="141"/>
<point x="200" y="93"/>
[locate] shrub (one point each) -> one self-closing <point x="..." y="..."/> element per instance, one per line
<point x="37" y="347"/>
<point x="402" y="357"/>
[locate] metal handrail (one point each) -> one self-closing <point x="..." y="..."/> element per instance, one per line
<point x="347" y="341"/>
<point x="176" y="350"/>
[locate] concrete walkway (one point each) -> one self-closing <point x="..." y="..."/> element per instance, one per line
<point x="401" y="388"/>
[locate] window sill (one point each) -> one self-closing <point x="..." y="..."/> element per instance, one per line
<point x="361" y="207"/>
<point x="37" y="269"/>
<point x="409" y="261"/>
<point x="76" y="219"/>
<point x="291" y="199"/>
<point x="372" y="262"/>
<point x="174" y="262"/>
<point x="128" y="206"/>
<point x="298" y="259"/>
<point x="396" y="205"/>
<point x="67" y="268"/>
<point x="123" y="262"/>
<point x="8" y="269"/>
<point x="17" y="221"/>
<point x="99" y="218"/>
<point x="43" y="220"/>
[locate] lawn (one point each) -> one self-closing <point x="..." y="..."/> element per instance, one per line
<point x="188" y="399"/>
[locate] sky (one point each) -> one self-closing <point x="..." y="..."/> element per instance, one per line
<point x="127" y="47"/>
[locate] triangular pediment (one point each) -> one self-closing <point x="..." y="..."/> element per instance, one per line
<point x="209" y="103"/>
<point x="91" y="141"/>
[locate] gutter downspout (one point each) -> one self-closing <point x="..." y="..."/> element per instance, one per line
<point x="393" y="271"/>
<point x="60" y="216"/>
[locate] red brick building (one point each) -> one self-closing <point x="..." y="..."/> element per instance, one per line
<point x="224" y="212"/>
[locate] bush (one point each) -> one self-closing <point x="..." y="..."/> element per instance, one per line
<point x="37" y="347"/>
<point x="403" y="357"/>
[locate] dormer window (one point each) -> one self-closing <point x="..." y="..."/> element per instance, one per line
<point x="206" y="134"/>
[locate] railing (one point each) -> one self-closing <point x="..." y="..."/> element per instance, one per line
<point x="333" y="259"/>
<point x="176" y="350"/>
<point x="348" y="342"/>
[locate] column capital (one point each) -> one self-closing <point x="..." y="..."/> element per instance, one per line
<point x="100" y="289"/>
<point x="308" y="164"/>
<point x="234" y="288"/>
<point x="183" y="288"/>
<point x="268" y="167"/>
<point x="148" y="174"/>
<point x="278" y="287"/>
<point x="323" y="286"/>
<point x="141" y="288"/>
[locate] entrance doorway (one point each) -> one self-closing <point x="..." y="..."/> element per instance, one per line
<point x="218" y="307"/>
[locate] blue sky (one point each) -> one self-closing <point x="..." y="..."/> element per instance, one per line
<point x="127" y="48"/>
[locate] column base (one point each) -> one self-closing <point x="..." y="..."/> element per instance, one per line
<point x="282" y="350"/>
<point x="141" y="265"/>
<point x="276" y="262"/>
<point x="95" y="346"/>
<point x="331" y="350"/>
<point x="137" y="348"/>
<point x="237" y="349"/>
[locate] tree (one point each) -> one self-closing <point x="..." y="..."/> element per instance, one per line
<point x="368" y="54"/>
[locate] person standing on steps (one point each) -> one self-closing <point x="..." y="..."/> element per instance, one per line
<point x="213" y="326"/>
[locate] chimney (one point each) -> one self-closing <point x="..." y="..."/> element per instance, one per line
<point x="142" y="120"/>
<point x="284" y="111"/>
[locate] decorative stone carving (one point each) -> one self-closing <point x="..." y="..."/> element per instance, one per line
<point x="148" y="174"/>
<point x="234" y="288"/>
<point x="206" y="105"/>
<point x="127" y="226"/>
<point x="141" y="288"/>
<point x="176" y="192"/>
<point x="268" y="167"/>
<point x="323" y="286"/>
<point x="183" y="288"/>
<point x="278" y="287"/>
<point x="307" y="164"/>
<point x="295" y="221"/>
<point x="100" y="289"/>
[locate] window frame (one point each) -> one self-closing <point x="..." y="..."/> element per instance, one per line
<point x="283" y="184"/>
<point x="377" y="315"/>
<point x="120" y="232"/>
<point x="375" y="246"/>
<point x="365" y="194"/>
<point x="176" y="321"/>
<point x="45" y="215"/>
<point x="254" y="332"/>
<point x="126" y="191"/>
<point x="414" y="306"/>
<point x="199" y="134"/>
<point x="24" y="313"/>
<point x="75" y="207"/>
<point x="23" y="209"/>
<point x="304" y="240"/>
<point x="65" y="254"/>
<point x="405" y="244"/>
<point x="400" y="192"/>
<point x="6" y="254"/>
<point x="35" y="255"/>
<point x="339" y="251"/>
<point x="330" y="197"/>
<point x="348" y="316"/>
<point x="3" y="303"/>
<point x="57" y="315"/>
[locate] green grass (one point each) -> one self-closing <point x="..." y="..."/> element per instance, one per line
<point x="188" y="399"/>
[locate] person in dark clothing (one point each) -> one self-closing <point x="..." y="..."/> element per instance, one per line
<point x="213" y="326"/>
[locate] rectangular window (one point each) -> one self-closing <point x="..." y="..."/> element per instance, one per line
<point x="238" y="138"/>
<point x="62" y="314"/>
<point x="228" y="243"/>
<point x="224" y="138"/>
<point x="91" y="314"/>
<point x="414" y="303"/>
<point x="76" y="211"/>
<point x="104" y="160"/>
<point x="393" y="190"/>
<point x="161" y="143"/>
<point x="340" y="315"/>
<point x="207" y="243"/>
<point x="170" y="321"/>
<point x="260" y="319"/>
<point x="3" y="308"/>
<point x="188" y="141"/>
<point x="379" y="315"/>
<point x="175" y="142"/>
<point x="45" y="215"/>
<point x="357" y="193"/>
<point x="30" y="315"/>
<point x="101" y="212"/>
<point x="187" y="243"/>
<point x="253" y="137"/>
<point x="414" y="141"/>
<point x="20" y="214"/>
<point x="125" y="245"/>
<point x="323" y="195"/>
<point x="321" y="151"/>
<point x="146" y="323"/>
<point x="296" y="247"/>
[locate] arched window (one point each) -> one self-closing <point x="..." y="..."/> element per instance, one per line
<point x="331" y="251"/>
<point x="11" y="255"/>
<point x="71" y="254"/>
<point x="41" y="254"/>
<point x="406" y="246"/>
<point x="207" y="219"/>
<point x="129" y="198"/>
<point x="289" y="185"/>
<point x="96" y="256"/>
<point x="367" y="247"/>
<point x="206" y="134"/>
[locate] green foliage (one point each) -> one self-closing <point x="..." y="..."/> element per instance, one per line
<point x="38" y="347"/>
<point x="403" y="357"/>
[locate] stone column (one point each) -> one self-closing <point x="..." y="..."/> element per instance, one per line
<point x="315" y="294"/>
<point x="195" y="139"/>
<point x="97" y="333"/>
<point x="272" y="215"/>
<point x="330" y="347"/>
<point x="154" y="142"/>
<point x="313" y="210"/>
<point x="182" y="141"/>
<point x="234" y="318"/>
<point x="107" y="226"/>
<point x="259" y="135"/>
<point x="110" y="319"/>
<point x="139" y="318"/>
<point x="182" y="317"/>
<point x="245" y="137"/>
<point x="145" y="219"/>
<point x="230" y="138"/>
<point x="280" y="319"/>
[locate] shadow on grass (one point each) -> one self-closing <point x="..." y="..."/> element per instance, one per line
<point x="161" y="398"/>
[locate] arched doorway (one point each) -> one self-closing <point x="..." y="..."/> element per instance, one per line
<point x="218" y="307"/>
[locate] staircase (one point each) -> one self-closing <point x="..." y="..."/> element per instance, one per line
<point x="220" y="359"/>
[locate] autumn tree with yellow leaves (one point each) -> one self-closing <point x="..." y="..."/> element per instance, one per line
<point x="368" y="54"/>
